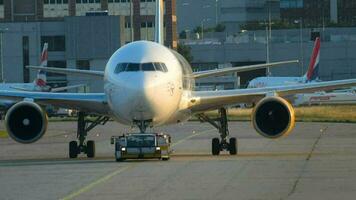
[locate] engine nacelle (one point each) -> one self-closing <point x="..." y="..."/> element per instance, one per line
<point x="26" y="122"/>
<point x="273" y="117"/>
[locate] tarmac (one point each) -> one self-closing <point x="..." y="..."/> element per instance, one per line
<point x="317" y="161"/>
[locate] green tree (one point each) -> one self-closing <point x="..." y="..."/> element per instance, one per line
<point x="220" y="28"/>
<point x="185" y="51"/>
<point x="197" y="29"/>
<point x="183" y="35"/>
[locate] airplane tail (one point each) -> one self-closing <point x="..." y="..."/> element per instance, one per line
<point x="159" y="22"/>
<point x="41" y="80"/>
<point x="313" y="71"/>
<point x="44" y="55"/>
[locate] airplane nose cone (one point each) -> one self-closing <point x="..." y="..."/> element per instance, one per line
<point x="137" y="94"/>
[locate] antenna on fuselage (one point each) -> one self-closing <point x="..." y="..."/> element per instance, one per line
<point x="159" y="22"/>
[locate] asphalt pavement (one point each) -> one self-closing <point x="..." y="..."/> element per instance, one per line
<point x="317" y="161"/>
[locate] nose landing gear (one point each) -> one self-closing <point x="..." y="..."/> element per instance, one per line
<point x="221" y="124"/>
<point x="143" y="124"/>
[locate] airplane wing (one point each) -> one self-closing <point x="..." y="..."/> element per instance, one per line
<point x="93" y="103"/>
<point x="90" y="73"/>
<point x="60" y="89"/>
<point x="201" y="101"/>
<point x="219" y="72"/>
<point x="47" y="89"/>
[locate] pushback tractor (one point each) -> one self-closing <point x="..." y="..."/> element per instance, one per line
<point x="142" y="146"/>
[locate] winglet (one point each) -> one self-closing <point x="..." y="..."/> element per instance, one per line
<point x="159" y="22"/>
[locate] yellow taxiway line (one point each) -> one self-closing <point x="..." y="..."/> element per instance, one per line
<point x="95" y="183"/>
<point x="118" y="171"/>
<point x="3" y="134"/>
<point x="190" y="136"/>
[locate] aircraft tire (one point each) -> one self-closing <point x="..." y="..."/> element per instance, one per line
<point x="232" y="146"/>
<point x="215" y="146"/>
<point x="73" y="149"/>
<point x="90" y="149"/>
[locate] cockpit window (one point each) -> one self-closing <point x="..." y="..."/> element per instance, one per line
<point x="133" y="67"/>
<point x="120" y="67"/>
<point x="147" y="67"/>
<point x="158" y="67"/>
<point x="161" y="67"/>
<point x="164" y="67"/>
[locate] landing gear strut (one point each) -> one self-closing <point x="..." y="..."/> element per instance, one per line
<point x="142" y="125"/>
<point x="222" y="125"/>
<point x="83" y="127"/>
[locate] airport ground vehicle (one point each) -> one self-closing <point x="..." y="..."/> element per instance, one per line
<point x="63" y="112"/>
<point x="142" y="146"/>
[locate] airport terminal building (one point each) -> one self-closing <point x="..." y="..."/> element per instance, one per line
<point x="81" y="34"/>
<point x="79" y="41"/>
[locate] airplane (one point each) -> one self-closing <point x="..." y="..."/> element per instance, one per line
<point x="311" y="75"/>
<point x="39" y="84"/>
<point x="147" y="85"/>
<point x="323" y="98"/>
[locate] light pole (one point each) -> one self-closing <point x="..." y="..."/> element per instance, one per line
<point x="268" y="35"/>
<point x="202" y="27"/>
<point x="2" y="30"/>
<point x="267" y="51"/>
<point x="300" y="22"/>
<point x="216" y="12"/>
<point x="131" y="21"/>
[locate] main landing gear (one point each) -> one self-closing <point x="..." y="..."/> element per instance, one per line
<point x="84" y="126"/>
<point x="222" y="125"/>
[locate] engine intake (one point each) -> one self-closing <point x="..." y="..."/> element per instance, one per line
<point x="26" y="122"/>
<point x="273" y="117"/>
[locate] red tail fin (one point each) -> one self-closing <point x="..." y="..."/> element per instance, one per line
<point x="313" y="71"/>
<point x="41" y="79"/>
<point x="44" y="55"/>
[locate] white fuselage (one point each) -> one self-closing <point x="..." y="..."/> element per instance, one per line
<point x="262" y="82"/>
<point x="323" y="98"/>
<point x="144" y="95"/>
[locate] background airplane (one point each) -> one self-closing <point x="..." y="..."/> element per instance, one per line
<point x="146" y="85"/>
<point x="326" y="98"/>
<point x="38" y="85"/>
<point x="311" y="75"/>
<point x="40" y="82"/>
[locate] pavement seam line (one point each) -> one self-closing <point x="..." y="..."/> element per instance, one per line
<point x="112" y="174"/>
<point x="306" y="162"/>
<point x="95" y="183"/>
<point x="186" y="138"/>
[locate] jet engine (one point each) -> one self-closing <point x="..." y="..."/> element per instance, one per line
<point x="273" y="117"/>
<point x="26" y="122"/>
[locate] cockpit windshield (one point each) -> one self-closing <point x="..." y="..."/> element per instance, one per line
<point x="134" y="67"/>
